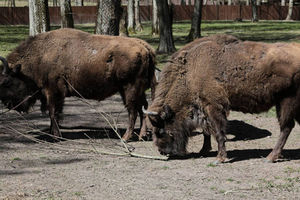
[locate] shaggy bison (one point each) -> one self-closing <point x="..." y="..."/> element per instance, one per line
<point x="69" y="62"/>
<point x="211" y="76"/>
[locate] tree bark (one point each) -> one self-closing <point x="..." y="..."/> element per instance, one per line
<point x="290" y="12"/>
<point x="123" y="24"/>
<point x="166" y="42"/>
<point x="55" y="3"/>
<point x="66" y="14"/>
<point x="108" y="17"/>
<point x="254" y="11"/>
<point x="229" y="2"/>
<point x="137" y="16"/>
<point x="79" y="2"/>
<point x="282" y="2"/>
<point x="130" y="16"/>
<point x="195" y="31"/>
<point x="155" y="24"/>
<point x="38" y="17"/>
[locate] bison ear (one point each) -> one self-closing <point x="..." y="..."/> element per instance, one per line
<point x="167" y="113"/>
<point x="17" y="69"/>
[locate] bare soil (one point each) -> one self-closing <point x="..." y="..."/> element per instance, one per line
<point x="76" y="169"/>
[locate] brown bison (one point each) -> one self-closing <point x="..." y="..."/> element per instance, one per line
<point x="69" y="62"/>
<point x="211" y="76"/>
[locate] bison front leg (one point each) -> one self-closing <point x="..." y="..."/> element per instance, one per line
<point x="55" y="104"/>
<point x="218" y="123"/>
<point x="206" y="145"/>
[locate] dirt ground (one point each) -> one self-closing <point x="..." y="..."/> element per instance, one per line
<point x="75" y="168"/>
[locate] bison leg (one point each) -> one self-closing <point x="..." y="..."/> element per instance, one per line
<point x="286" y="122"/>
<point x="206" y="145"/>
<point x="55" y="103"/>
<point x="219" y="121"/>
<point x="143" y="125"/>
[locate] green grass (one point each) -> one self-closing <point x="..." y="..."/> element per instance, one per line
<point x="265" y="31"/>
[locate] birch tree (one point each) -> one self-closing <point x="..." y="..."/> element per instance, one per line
<point x="66" y="14"/>
<point x="137" y="16"/>
<point x="290" y="11"/>
<point x="38" y="17"/>
<point x="155" y="24"/>
<point x="130" y="16"/>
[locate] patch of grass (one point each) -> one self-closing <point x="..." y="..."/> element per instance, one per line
<point x="265" y="31"/>
<point x="229" y="180"/>
<point x="290" y="170"/>
<point x="16" y="159"/>
<point x="165" y="167"/>
<point x="78" y="194"/>
<point x="211" y="165"/>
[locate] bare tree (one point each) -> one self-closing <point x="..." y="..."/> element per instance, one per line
<point x="130" y="16"/>
<point x="79" y="2"/>
<point x="166" y="41"/>
<point x="55" y="3"/>
<point x="155" y="24"/>
<point x="137" y="16"/>
<point x="290" y="12"/>
<point x="195" y="31"/>
<point x="66" y="14"/>
<point x="123" y="24"/>
<point x="254" y="11"/>
<point x="11" y="3"/>
<point x="108" y="17"/>
<point x="38" y="17"/>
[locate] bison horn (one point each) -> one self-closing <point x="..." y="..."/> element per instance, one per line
<point x="5" y="65"/>
<point x="149" y="112"/>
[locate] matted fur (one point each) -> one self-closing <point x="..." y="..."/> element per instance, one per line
<point x="221" y="73"/>
<point x="66" y="62"/>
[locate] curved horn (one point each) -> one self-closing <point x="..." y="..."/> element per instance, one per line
<point x="149" y="112"/>
<point x="5" y="65"/>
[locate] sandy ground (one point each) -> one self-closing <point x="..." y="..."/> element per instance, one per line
<point x="75" y="168"/>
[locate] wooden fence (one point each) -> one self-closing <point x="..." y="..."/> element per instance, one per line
<point x="87" y="14"/>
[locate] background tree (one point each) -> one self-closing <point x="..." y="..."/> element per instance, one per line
<point x="137" y="16"/>
<point x="79" y="2"/>
<point x="38" y="17"/>
<point x="155" y="24"/>
<point x="108" y="17"/>
<point x="130" y="16"/>
<point x="282" y="2"/>
<point x="123" y="24"/>
<point x="166" y="41"/>
<point x="66" y="14"/>
<point x="254" y="11"/>
<point x="55" y="3"/>
<point x="290" y="12"/>
<point x="195" y="31"/>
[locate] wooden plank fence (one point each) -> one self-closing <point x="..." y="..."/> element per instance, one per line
<point x="87" y="14"/>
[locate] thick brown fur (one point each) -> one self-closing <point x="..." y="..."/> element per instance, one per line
<point x="216" y="74"/>
<point x="69" y="62"/>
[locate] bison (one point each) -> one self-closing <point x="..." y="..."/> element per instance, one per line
<point x="69" y="62"/>
<point x="211" y="76"/>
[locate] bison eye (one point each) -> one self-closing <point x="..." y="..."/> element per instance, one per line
<point x="5" y="83"/>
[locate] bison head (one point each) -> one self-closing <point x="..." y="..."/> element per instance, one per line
<point x="171" y="132"/>
<point x="15" y="89"/>
<point x="167" y="136"/>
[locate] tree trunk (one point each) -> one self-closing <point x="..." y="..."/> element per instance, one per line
<point x="123" y="24"/>
<point x="130" y="16"/>
<point x="282" y="2"/>
<point x="38" y="17"/>
<point x="137" y="16"/>
<point x="254" y="11"/>
<point x="66" y="14"/>
<point x="229" y="2"/>
<point x="290" y="12"/>
<point x="108" y="17"/>
<point x="55" y="3"/>
<point x="166" y="42"/>
<point x="247" y="2"/>
<point x="195" y="31"/>
<point x="182" y="2"/>
<point x="155" y="24"/>
<point x="12" y="3"/>
<point x="79" y="2"/>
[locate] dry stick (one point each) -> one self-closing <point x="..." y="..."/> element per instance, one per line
<point x="128" y="151"/>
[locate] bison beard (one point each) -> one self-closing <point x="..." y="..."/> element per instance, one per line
<point x="69" y="62"/>
<point x="211" y="76"/>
